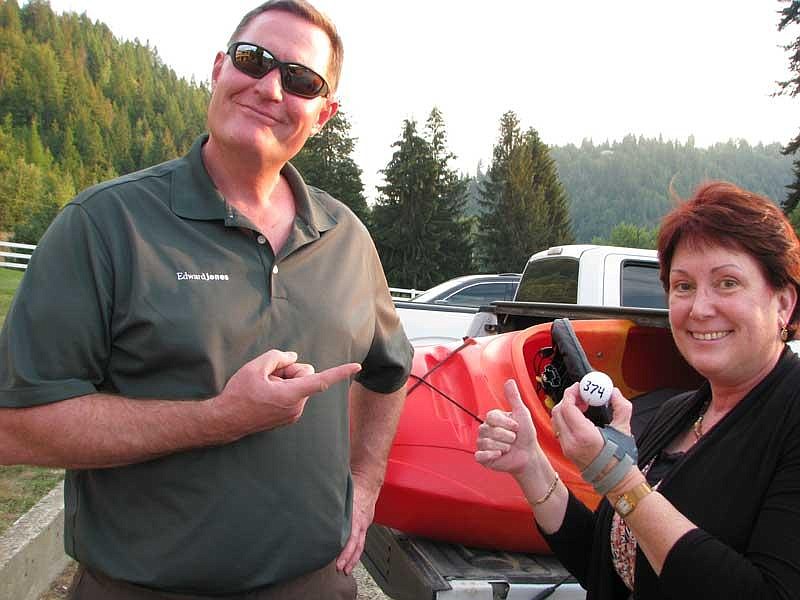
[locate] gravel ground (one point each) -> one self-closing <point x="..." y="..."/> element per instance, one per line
<point x="367" y="590"/>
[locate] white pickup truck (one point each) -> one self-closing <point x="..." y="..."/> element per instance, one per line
<point x="583" y="275"/>
<point x="593" y="275"/>
<point x="586" y="275"/>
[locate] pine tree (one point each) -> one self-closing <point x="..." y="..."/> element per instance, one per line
<point x="790" y="15"/>
<point x="326" y="161"/>
<point x="11" y="27"/>
<point x="11" y="150"/>
<point x="401" y="211"/>
<point x="9" y="15"/>
<point x="525" y="204"/>
<point x="23" y="190"/>
<point x="42" y="190"/>
<point x="450" y="196"/>
<point x="121" y="143"/>
<point x="541" y="214"/>
<point x="495" y="196"/>
<point x="37" y="153"/>
<point x="418" y="222"/>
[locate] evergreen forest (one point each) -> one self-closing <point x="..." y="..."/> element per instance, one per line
<point x="78" y="105"/>
<point x="630" y="180"/>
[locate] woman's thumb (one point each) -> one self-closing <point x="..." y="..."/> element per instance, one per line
<point x="514" y="398"/>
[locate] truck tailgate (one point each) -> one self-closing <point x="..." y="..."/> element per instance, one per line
<point x="413" y="568"/>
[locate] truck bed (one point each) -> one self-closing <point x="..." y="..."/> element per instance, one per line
<point x="414" y="568"/>
<point x="513" y="316"/>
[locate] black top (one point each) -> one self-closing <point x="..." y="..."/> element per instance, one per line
<point x="740" y="483"/>
<point x="662" y="465"/>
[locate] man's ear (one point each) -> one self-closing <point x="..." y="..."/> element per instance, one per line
<point x="215" y="70"/>
<point x="326" y="114"/>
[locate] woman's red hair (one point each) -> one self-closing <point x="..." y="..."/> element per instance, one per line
<point x="722" y="214"/>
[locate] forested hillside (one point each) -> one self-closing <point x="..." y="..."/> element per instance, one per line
<point x="78" y="106"/>
<point x="629" y="181"/>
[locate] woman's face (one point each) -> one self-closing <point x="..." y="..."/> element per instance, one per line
<point x="725" y="316"/>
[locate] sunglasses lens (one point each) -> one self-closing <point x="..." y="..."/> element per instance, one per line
<point x="256" y="61"/>
<point x="252" y="60"/>
<point x="302" y="81"/>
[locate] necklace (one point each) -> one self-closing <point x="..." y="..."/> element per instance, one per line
<point x="698" y="424"/>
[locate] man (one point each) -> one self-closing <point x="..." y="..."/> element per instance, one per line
<point x="171" y="374"/>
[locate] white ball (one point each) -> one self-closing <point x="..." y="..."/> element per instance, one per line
<point x="596" y="388"/>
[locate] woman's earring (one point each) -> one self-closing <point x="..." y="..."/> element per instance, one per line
<point x="784" y="333"/>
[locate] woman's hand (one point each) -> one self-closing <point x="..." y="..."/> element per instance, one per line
<point x="507" y="440"/>
<point x="580" y="439"/>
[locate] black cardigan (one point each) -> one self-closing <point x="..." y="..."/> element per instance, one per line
<point x="740" y="484"/>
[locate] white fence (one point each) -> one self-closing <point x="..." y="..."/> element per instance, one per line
<point x="19" y="254"/>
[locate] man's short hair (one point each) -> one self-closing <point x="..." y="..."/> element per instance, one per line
<point x="307" y="12"/>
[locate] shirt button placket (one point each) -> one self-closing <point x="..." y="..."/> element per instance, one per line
<point x="262" y="241"/>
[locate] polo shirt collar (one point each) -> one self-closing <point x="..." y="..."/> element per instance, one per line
<point x="194" y="195"/>
<point x="309" y="209"/>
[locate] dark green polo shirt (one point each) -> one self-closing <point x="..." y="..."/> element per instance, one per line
<point x="152" y="286"/>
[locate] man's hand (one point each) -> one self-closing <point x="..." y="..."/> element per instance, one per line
<point x="373" y="422"/>
<point x="363" y="512"/>
<point x="271" y="391"/>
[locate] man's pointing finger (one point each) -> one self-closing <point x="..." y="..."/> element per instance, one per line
<point x="319" y="382"/>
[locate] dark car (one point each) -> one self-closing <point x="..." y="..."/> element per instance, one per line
<point x="472" y="290"/>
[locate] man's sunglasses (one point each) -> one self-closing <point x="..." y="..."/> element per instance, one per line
<point x="256" y="61"/>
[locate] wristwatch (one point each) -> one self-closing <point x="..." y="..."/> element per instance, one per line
<point x="628" y="501"/>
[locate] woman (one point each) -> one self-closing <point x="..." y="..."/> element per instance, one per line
<point x="711" y="509"/>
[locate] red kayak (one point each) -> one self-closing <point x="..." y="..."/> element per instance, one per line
<point x="434" y="488"/>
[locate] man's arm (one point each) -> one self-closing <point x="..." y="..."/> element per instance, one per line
<point x="373" y="423"/>
<point x="99" y="430"/>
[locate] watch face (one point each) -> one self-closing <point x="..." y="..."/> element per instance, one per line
<point x="628" y="501"/>
<point x="623" y="506"/>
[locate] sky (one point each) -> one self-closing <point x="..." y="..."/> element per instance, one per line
<point x="571" y="70"/>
